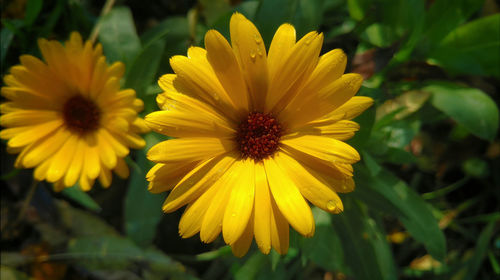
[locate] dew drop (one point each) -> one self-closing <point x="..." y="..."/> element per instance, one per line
<point x="257" y="38"/>
<point x="331" y="205"/>
<point x="259" y="52"/>
<point x="308" y="42"/>
<point x="252" y="55"/>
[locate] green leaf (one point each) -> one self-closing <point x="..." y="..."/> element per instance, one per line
<point x="470" y="107"/>
<point x="467" y="50"/>
<point x="142" y="208"/>
<point x="325" y="247"/>
<point x="52" y="19"/>
<point x="214" y="9"/>
<point x="76" y="194"/>
<point x="388" y="194"/>
<point x="357" y="8"/>
<point x="83" y="223"/>
<point x="96" y="252"/>
<point x="33" y="8"/>
<point x="308" y="16"/>
<point x="143" y="69"/>
<point x="252" y="266"/>
<point x="370" y="163"/>
<point x="271" y="14"/>
<point x="365" y="248"/>
<point x="305" y="15"/>
<point x="6" y="36"/>
<point x="118" y="36"/>
<point x="482" y="247"/>
<point x="443" y="16"/>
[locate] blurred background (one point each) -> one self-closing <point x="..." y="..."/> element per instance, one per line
<point x="427" y="201"/>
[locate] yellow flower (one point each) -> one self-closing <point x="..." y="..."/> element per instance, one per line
<point x="67" y="117"/>
<point x="257" y="136"/>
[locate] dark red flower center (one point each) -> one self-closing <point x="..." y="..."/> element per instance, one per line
<point x="81" y="114"/>
<point x="258" y="136"/>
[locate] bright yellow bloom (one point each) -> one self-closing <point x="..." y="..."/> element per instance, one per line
<point x="257" y="136"/>
<point x="67" y="117"/>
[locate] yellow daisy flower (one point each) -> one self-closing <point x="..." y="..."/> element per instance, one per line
<point x="256" y="136"/>
<point x="67" y="117"/>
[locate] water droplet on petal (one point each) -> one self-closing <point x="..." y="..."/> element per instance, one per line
<point x="257" y="38"/>
<point x="331" y="205"/>
<point x="252" y="55"/>
<point x="259" y="52"/>
<point x="308" y="42"/>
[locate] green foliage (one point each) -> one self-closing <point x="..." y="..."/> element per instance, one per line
<point x="466" y="49"/>
<point x="118" y="36"/>
<point x="388" y="194"/>
<point x="470" y="107"/>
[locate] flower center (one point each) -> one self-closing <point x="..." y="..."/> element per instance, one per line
<point x="258" y="136"/>
<point x="81" y="114"/>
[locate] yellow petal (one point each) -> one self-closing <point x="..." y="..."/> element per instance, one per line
<point x="192" y="218"/>
<point x="323" y="102"/>
<point x="8" y="133"/>
<point x="62" y="159"/>
<point x="323" y="148"/>
<point x="41" y="170"/>
<point x="241" y="246"/>
<point x="35" y="76"/>
<point x="85" y="183"/>
<point x="354" y="107"/>
<point x="221" y="57"/>
<point x="189" y="149"/>
<point x="43" y="148"/>
<point x="197" y="181"/>
<point x="250" y="52"/>
<point x="134" y="141"/>
<point x="240" y="204"/>
<point x="212" y="222"/>
<point x="98" y="78"/>
<point x="262" y="210"/>
<point x="117" y="69"/>
<point x="314" y="190"/>
<point x="288" y="198"/>
<point x="75" y="167"/>
<point x="178" y="123"/>
<point x="330" y="67"/>
<point x="279" y="230"/>
<point x="164" y="176"/>
<point x="105" y="177"/>
<point x="281" y="45"/>
<point x="34" y="133"/>
<point x="199" y="78"/>
<point x="116" y="145"/>
<point x="340" y="130"/>
<point x="294" y="72"/>
<point x="333" y="170"/>
<point x="28" y="117"/>
<point x="344" y="185"/>
<point x="92" y="164"/>
<point x="106" y="152"/>
<point x="26" y="99"/>
<point x="174" y="99"/>
<point x="121" y="168"/>
<point x="139" y="126"/>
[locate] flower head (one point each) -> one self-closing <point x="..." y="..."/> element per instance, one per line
<point x="67" y="117"/>
<point x="257" y="136"/>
